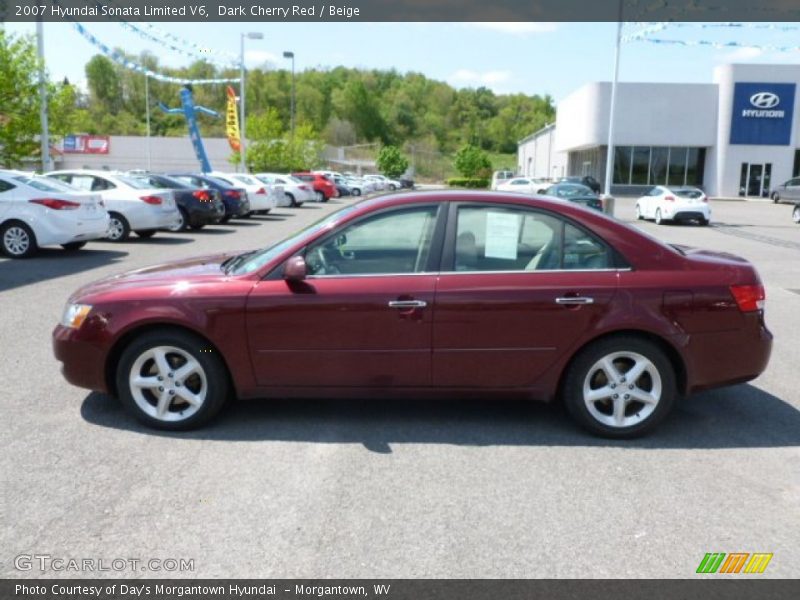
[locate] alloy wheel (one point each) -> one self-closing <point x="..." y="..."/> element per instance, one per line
<point x="116" y="229"/>
<point x="16" y="240"/>
<point x="167" y="383"/>
<point x="622" y="389"/>
<point x="796" y="214"/>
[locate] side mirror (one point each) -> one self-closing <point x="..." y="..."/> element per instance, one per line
<point x="295" y="269"/>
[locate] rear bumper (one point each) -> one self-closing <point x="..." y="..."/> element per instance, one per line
<point x="205" y="214"/>
<point x="727" y="357"/>
<point x="54" y="231"/>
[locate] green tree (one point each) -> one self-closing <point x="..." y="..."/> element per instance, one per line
<point x="391" y="162"/>
<point x="104" y="83"/>
<point x="19" y="99"/>
<point x="471" y="161"/>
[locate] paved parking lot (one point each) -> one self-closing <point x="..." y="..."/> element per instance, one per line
<point x="397" y="489"/>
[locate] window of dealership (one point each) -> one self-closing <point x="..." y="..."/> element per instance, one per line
<point x="659" y="165"/>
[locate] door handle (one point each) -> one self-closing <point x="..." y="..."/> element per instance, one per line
<point x="573" y="300"/>
<point x="406" y="304"/>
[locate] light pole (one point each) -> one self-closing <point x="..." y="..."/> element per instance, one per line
<point x="291" y="111"/>
<point x="253" y="35"/>
<point x="45" y="136"/>
<point x="613" y="107"/>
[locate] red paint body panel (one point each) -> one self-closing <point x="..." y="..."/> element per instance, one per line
<point x="499" y="332"/>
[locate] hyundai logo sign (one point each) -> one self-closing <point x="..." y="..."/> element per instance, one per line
<point x="765" y="100"/>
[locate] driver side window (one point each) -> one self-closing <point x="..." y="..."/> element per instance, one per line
<point x="396" y="242"/>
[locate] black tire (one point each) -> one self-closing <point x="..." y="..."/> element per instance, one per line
<point x="72" y="246"/>
<point x="217" y="383"/>
<point x="776" y="198"/>
<point x="225" y="219"/>
<point x="197" y="227"/>
<point x="184" y="222"/>
<point x="658" y="219"/>
<point x="355" y="192"/>
<point x="582" y="370"/>
<point x="119" y="228"/>
<point x="292" y="201"/>
<point x="17" y="240"/>
<point x="320" y="197"/>
<point x="246" y="215"/>
<point x="639" y="215"/>
<point x="146" y="234"/>
<point x="796" y="214"/>
<point x="703" y="221"/>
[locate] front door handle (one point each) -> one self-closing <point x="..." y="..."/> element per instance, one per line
<point x="573" y="300"/>
<point x="406" y="304"/>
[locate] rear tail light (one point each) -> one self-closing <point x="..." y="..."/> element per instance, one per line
<point x="704" y="198"/>
<point x="232" y="194"/>
<point x="56" y="203"/>
<point x="261" y="191"/>
<point x="669" y="198"/>
<point x="151" y="199"/>
<point x="749" y="298"/>
<point x="303" y="187"/>
<point x="201" y="195"/>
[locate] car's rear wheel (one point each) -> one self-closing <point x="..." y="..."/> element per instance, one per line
<point x="796" y="214"/>
<point x="355" y="192"/>
<point x="146" y="233"/>
<point x="172" y="380"/>
<point x="225" y="219"/>
<point x="776" y="197"/>
<point x="18" y="240"/>
<point x="320" y="196"/>
<point x="118" y="228"/>
<point x="197" y="227"/>
<point x="72" y="246"/>
<point x="639" y="214"/>
<point x="292" y="201"/>
<point x="620" y="387"/>
<point x="703" y="221"/>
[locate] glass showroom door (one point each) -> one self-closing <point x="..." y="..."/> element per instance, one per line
<point x="755" y="180"/>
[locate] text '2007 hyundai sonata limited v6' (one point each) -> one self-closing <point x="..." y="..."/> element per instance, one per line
<point x="427" y="294"/>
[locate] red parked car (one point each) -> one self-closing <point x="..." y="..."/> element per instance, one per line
<point x="427" y="294"/>
<point x="324" y="188"/>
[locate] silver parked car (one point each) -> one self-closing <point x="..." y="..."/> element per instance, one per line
<point x="787" y="191"/>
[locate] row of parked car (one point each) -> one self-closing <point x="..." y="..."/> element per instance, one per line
<point x="71" y="207"/>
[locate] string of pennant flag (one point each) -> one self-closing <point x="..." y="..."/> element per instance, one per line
<point x="123" y="61"/>
<point x="646" y="32"/>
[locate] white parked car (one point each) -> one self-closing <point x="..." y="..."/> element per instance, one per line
<point x="263" y="198"/>
<point x="384" y="182"/>
<point x="295" y="191"/>
<point x="664" y="203"/>
<point x="132" y="204"/>
<point x="37" y="211"/>
<point x="522" y="185"/>
<point x="499" y="178"/>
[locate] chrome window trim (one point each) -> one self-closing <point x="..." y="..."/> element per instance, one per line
<point x="518" y="272"/>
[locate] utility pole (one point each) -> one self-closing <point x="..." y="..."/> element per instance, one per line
<point x="45" y="135"/>
<point x="612" y="119"/>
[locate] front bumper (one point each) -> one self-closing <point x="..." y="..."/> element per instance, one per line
<point x="82" y="361"/>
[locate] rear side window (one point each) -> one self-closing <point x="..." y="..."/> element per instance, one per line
<point x="507" y="239"/>
<point x="5" y="186"/>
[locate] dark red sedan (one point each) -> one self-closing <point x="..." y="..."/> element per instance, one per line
<point x="427" y="294"/>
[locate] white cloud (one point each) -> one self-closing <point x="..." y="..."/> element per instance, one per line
<point x="741" y="54"/>
<point x="515" y="27"/>
<point x="488" y="78"/>
<point x="259" y="57"/>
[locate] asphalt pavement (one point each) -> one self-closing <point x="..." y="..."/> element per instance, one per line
<point x="439" y="489"/>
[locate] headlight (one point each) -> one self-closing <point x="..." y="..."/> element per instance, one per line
<point x="75" y="315"/>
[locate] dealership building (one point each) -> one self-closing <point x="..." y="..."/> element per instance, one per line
<point x="737" y="136"/>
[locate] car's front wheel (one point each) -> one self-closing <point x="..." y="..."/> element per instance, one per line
<point x="172" y="380"/>
<point x="776" y="197"/>
<point x="639" y="214"/>
<point x="620" y="387"/>
<point x="796" y="214"/>
<point x="659" y="219"/>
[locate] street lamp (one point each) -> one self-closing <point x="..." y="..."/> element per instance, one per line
<point x="291" y="55"/>
<point x="253" y="35"/>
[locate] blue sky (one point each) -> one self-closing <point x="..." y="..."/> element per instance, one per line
<point x="554" y="58"/>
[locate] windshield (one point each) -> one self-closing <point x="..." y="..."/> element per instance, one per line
<point x="46" y="184"/>
<point x="261" y="257"/>
<point x="135" y="183"/>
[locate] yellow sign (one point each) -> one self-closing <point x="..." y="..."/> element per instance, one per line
<point x="232" y="121"/>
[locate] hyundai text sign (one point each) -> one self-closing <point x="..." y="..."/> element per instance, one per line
<point x="762" y="113"/>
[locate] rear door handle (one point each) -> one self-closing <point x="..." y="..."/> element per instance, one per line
<point x="572" y="300"/>
<point x="407" y="304"/>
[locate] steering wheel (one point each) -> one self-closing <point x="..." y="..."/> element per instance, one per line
<point x="326" y="267"/>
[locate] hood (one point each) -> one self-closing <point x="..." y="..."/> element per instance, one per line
<point x="191" y="270"/>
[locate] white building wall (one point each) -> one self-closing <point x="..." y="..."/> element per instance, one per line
<point x="166" y="154"/>
<point x="724" y="170"/>
<point x="537" y="155"/>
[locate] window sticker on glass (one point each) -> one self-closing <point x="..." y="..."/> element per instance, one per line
<point x="502" y="232"/>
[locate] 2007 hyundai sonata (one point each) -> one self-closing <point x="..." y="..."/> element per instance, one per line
<point x="427" y="294"/>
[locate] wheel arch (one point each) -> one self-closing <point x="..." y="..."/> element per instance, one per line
<point x="672" y="353"/>
<point x="114" y="355"/>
